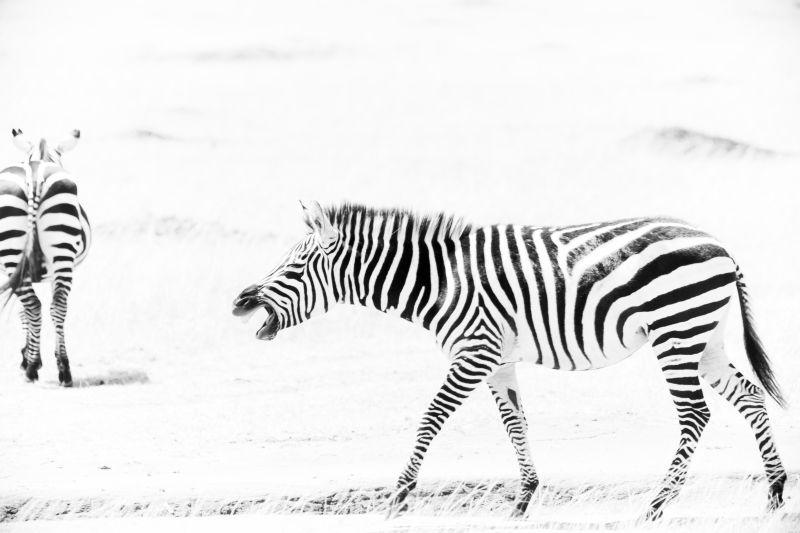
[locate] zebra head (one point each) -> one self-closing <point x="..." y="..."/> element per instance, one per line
<point x="301" y="285"/>
<point x="43" y="151"/>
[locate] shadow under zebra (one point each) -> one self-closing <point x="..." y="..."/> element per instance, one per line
<point x="111" y="377"/>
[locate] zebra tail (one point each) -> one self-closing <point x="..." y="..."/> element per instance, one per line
<point x="14" y="281"/>
<point x="752" y="345"/>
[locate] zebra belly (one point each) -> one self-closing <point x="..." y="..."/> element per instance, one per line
<point x="525" y="350"/>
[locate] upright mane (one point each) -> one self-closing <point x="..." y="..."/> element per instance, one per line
<point x="443" y="224"/>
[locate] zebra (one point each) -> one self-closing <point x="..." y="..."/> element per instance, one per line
<point x="577" y="297"/>
<point x="44" y="234"/>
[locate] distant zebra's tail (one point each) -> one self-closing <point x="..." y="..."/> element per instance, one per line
<point x="752" y="345"/>
<point x="15" y="280"/>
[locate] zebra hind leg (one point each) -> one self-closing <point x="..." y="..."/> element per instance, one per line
<point x="505" y="390"/>
<point x="466" y="372"/>
<point x="748" y="399"/>
<point x="679" y="361"/>
<point x="32" y="311"/>
<point x="58" y="312"/>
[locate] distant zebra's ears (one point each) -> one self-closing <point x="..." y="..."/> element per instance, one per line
<point x="21" y="140"/>
<point x="70" y="142"/>
<point x="317" y="221"/>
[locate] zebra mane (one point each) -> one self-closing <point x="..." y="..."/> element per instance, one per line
<point x="441" y="224"/>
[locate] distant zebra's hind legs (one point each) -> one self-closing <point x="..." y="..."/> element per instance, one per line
<point x="505" y="390"/>
<point x="465" y="373"/>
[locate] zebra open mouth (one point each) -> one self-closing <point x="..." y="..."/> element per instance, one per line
<point x="247" y="303"/>
<point x="270" y="327"/>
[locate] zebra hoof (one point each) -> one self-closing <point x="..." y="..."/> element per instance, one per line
<point x="394" y="512"/>
<point x="32" y="373"/>
<point x="521" y="506"/>
<point x="518" y="512"/>
<point x="527" y="490"/>
<point x="397" y="503"/>
<point x="65" y="378"/>
<point x="775" y="497"/>
<point x="650" y="516"/>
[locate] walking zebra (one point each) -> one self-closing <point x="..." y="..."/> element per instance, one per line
<point x="44" y="233"/>
<point x="572" y="298"/>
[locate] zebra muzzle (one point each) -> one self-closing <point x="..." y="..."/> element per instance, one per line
<point x="246" y="303"/>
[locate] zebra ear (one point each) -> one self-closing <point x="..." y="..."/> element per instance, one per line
<point x="21" y="140"/>
<point x="317" y="221"/>
<point x="70" y="142"/>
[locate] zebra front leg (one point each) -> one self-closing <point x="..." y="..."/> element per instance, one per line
<point x="505" y="390"/>
<point x="58" y="312"/>
<point x="679" y="363"/>
<point x="32" y="319"/>
<point x="465" y="373"/>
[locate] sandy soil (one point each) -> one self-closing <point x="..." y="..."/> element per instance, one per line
<point x="203" y="124"/>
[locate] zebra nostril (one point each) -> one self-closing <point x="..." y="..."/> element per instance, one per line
<point x="242" y="307"/>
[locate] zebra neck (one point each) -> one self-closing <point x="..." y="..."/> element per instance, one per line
<point x="392" y="267"/>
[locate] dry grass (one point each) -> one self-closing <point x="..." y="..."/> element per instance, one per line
<point x="724" y="504"/>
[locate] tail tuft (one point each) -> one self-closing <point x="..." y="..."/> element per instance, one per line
<point x="752" y="345"/>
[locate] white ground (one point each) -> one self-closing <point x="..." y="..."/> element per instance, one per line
<point x="204" y="123"/>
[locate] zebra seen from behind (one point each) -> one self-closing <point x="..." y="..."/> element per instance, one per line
<point x="44" y="234"/>
<point x="571" y="298"/>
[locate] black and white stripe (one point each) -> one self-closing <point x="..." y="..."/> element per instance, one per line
<point x="571" y="298"/>
<point x="44" y="234"/>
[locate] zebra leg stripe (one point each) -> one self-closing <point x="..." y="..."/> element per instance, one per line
<point x="505" y="390"/>
<point x="748" y="399"/>
<point x="32" y="309"/>
<point x="464" y="375"/>
<point x="58" y="312"/>
<point x="680" y="367"/>
<point x="24" y="319"/>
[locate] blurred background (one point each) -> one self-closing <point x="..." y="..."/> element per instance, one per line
<point x="203" y="123"/>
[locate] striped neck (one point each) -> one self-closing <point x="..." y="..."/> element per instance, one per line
<point x="393" y="260"/>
